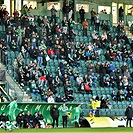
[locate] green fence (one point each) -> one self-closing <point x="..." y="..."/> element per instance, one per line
<point x="44" y="108"/>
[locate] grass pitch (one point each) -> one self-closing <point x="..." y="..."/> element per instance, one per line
<point x="72" y="130"/>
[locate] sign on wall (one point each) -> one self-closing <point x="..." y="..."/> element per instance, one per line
<point x="85" y="6"/>
<point x="55" y="4"/>
<point x="44" y="108"/>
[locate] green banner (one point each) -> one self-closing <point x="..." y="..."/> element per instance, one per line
<point x="44" y="108"/>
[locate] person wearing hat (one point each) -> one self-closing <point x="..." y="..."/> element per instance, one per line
<point x="129" y="114"/>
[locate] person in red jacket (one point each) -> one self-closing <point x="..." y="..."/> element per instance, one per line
<point x="51" y="53"/>
<point x="16" y="14"/>
<point x="42" y="80"/>
<point x="87" y="88"/>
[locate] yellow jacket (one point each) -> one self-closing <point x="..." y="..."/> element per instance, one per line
<point x="93" y="105"/>
<point x="98" y="103"/>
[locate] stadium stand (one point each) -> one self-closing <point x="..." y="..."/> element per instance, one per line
<point x="56" y="59"/>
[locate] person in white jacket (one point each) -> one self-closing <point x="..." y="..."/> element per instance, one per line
<point x="51" y="99"/>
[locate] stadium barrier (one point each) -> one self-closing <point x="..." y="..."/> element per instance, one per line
<point x="44" y="108"/>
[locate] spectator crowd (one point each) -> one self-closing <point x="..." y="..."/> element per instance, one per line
<point x="36" y="40"/>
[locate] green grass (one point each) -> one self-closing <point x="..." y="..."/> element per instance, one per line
<point x="73" y="130"/>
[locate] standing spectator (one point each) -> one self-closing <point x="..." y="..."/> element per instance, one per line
<point x="16" y="14"/>
<point x="72" y="35"/>
<point x="93" y="13"/>
<point x="70" y="12"/>
<point x="85" y="26"/>
<point x="14" y="34"/>
<point x="64" y="24"/>
<point x="54" y="112"/>
<point x="97" y="21"/>
<point x="64" y="114"/>
<point x="82" y="14"/>
<point x="19" y="35"/>
<point x="8" y="34"/>
<point x="129" y="114"/>
<point x="53" y="14"/>
<point x="66" y="10"/>
<point x="121" y="14"/>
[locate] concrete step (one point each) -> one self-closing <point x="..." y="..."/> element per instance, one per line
<point x="27" y="100"/>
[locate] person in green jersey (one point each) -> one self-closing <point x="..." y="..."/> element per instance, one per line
<point x="19" y="35"/>
<point x="77" y="111"/>
<point x="64" y="110"/>
<point x="11" y="114"/>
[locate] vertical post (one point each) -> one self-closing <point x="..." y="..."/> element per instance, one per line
<point x="21" y="4"/>
<point x="14" y="5"/>
<point x="75" y="13"/>
<point x="11" y="8"/>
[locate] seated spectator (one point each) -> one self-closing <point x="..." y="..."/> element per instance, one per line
<point x="125" y="81"/>
<point x="42" y="80"/>
<point x="50" y="99"/>
<point x="114" y="95"/>
<point x="58" y="99"/>
<point x="69" y="94"/>
<point x="94" y="35"/>
<point x="113" y="74"/>
<point x="40" y="119"/>
<point x="20" y="120"/>
<point x="29" y="120"/>
<point x="108" y="104"/>
<point x="127" y="74"/>
<point x="120" y="27"/>
<point x="124" y="67"/>
<point x="87" y="88"/>
<point x="107" y="55"/>
<point x="120" y="95"/>
<point x="129" y="96"/>
<point x="103" y="103"/>
<point x="106" y="80"/>
<point x="118" y="56"/>
<point x="64" y="99"/>
<point x="53" y="86"/>
<point x="79" y="79"/>
<point x="51" y="53"/>
<point x="105" y="26"/>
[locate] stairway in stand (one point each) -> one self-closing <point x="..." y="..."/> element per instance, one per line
<point x="15" y="88"/>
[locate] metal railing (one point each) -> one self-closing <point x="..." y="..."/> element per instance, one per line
<point x="12" y="88"/>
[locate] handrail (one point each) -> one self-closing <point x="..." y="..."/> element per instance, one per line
<point x="5" y="93"/>
<point x="4" y="61"/>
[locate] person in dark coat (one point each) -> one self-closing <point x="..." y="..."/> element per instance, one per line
<point x="82" y="14"/>
<point x="20" y="120"/>
<point x="3" y="119"/>
<point x="121" y="14"/>
<point x="66" y="10"/>
<point x="53" y="14"/>
<point x="129" y="114"/>
<point x="30" y="123"/>
<point x="54" y="112"/>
